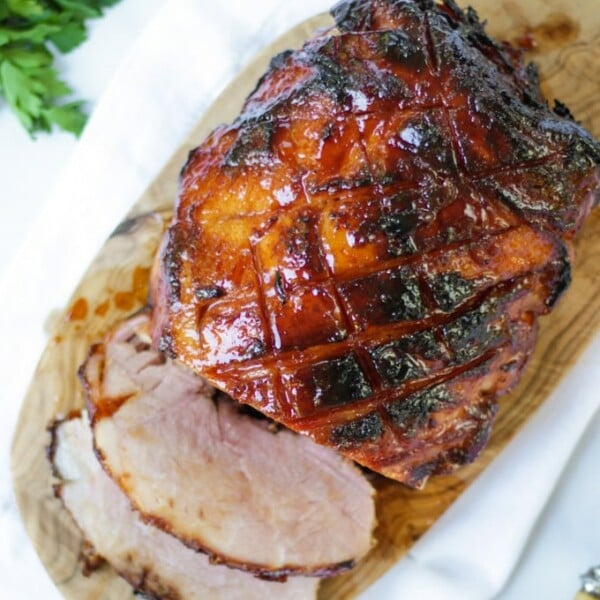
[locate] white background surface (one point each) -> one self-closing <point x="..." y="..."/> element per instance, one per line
<point x="566" y="540"/>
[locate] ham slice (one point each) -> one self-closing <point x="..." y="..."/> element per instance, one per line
<point x="155" y="563"/>
<point x="223" y="482"/>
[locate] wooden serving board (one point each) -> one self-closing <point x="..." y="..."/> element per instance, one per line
<point x="568" y="53"/>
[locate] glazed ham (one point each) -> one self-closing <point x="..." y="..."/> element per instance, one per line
<point x="155" y="563"/>
<point x="225" y="483"/>
<point x="363" y="254"/>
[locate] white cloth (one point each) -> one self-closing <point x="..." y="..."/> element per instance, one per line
<point x="188" y="53"/>
<point x="470" y="552"/>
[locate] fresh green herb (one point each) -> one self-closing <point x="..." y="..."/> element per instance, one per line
<point x="29" y="31"/>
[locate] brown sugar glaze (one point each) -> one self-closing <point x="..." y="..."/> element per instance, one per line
<point x="363" y="254"/>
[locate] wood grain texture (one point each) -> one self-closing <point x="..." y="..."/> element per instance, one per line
<point x="568" y="54"/>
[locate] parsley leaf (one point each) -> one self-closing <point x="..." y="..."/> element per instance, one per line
<point x="25" y="8"/>
<point x="29" y="31"/>
<point x="68" y="117"/>
<point x="69" y="37"/>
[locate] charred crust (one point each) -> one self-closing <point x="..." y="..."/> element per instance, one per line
<point x="352" y="15"/>
<point x="421" y="473"/>
<point x="476" y="444"/>
<point x="398" y="228"/>
<point x="279" y="287"/>
<point x="255" y="348"/>
<point x="478" y="330"/>
<point x="458" y="456"/>
<point x="91" y="561"/>
<point x="331" y="77"/>
<point x="385" y="297"/>
<point x="582" y="150"/>
<point x="412" y="413"/>
<point x="405" y="303"/>
<point x="171" y="263"/>
<point x="365" y="429"/>
<point x="248" y="411"/>
<point x="561" y="268"/>
<point x="298" y="242"/>
<point x="562" y="110"/>
<point x="451" y="289"/>
<point x="357" y="15"/>
<point x="426" y="345"/>
<point x="497" y="57"/>
<point x="397" y="46"/>
<point x="532" y="73"/>
<point x="338" y="80"/>
<point x="403" y="359"/>
<point x="165" y="344"/>
<point x="50" y="449"/>
<point x="470" y="17"/>
<point x="148" y="585"/>
<point x="396" y="366"/>
<point x="277" y="62"/>
<point x="188" y="162"/>
<point x="253" y="144"/>
<point x="339" y="381"/>
<point x="472" y="29"/>
<point x="208" y="292"/>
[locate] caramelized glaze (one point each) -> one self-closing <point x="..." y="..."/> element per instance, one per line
<point x="363" y="254"/>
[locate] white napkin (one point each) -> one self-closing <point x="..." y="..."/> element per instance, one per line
<point x="471" y="551"/>
<point x="184" y="58"/>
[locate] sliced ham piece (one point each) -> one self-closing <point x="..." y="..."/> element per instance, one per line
<point x="154" y="562"/>
<point x="223" y="482"/>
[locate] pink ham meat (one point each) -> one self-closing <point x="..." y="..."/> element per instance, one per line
<point x="155" y="563"/>
<point x="274" y="503"/>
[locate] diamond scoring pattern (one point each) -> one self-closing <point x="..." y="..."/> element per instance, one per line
<point x="303" y="258"/>
<point x="379" y="223"/>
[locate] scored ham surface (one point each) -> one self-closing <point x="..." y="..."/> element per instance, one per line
<point x="274" y="503"/>
<point x="153" y="562"/>
<point x="363" y="254"/>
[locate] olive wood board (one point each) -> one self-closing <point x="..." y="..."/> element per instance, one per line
<point x="567" y="39"/>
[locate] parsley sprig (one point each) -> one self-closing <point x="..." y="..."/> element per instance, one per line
<point x="30" y="30"/>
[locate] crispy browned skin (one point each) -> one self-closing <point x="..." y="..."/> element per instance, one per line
<point x="363" y="254"/>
